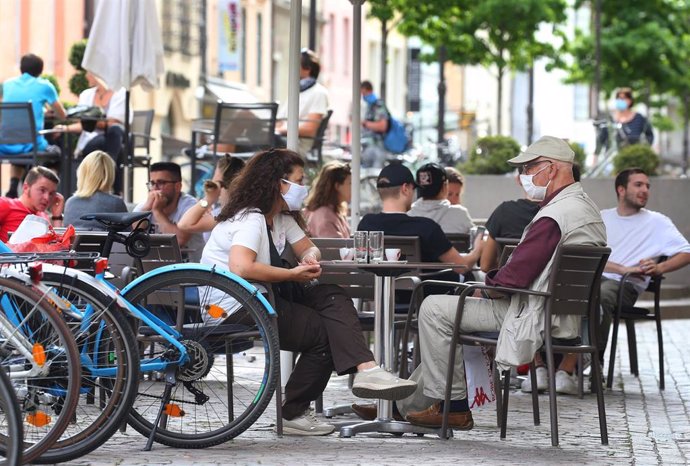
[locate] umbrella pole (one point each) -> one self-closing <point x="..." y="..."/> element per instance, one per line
<point x="127" y="178"/>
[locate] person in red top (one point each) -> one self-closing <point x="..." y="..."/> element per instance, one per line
<point x="39" y="197"/>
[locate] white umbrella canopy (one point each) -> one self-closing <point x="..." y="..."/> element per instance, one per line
<point x="125" y="49"/>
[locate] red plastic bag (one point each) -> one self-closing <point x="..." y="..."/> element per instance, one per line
<point x="50" y="242"/>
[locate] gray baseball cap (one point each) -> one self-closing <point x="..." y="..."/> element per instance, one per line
<point x="546" y="146"/>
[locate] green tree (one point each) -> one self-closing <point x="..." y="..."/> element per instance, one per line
<point x="490" y="156"/>
<point x="384" y="12"/>
<point x="500" y="33"/>
<point x="639" y="46"/>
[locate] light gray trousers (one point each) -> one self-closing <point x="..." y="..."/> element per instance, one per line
<point x="436" y="320"/>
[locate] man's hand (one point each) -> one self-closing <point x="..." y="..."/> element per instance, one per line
<point x="306" y="272"/>
<point x="649" y="267"/>
<point x="159" y="201"/>
<point x="58" y="205"/>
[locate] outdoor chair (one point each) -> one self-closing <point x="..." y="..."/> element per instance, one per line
<point x="315" y="155"/>
<point x="573" y="290"/>
<point x="17" y="126"/>
<point x="139" y="146"/>
<point x="247" y="128"/>
<point x="460" y="241"/>
<point x="630" y="314"/>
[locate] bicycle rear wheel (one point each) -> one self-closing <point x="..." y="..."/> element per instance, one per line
<point x="10" y="422"/>
<point x="232" y="369"/>
<point x="42" y="360"/>
<point x="110" y="367"/>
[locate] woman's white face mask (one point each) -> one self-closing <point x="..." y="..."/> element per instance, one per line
<point x="538" y="193"/>
<point x="295" y="195"/>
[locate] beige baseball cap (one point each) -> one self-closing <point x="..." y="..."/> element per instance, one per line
<point x="546" y="146"/>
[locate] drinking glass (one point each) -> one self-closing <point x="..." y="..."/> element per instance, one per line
<point x="360" y="239"/>
<point x="376" y="246"/>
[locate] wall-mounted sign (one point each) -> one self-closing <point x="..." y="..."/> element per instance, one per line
<point x="229" y="30"/>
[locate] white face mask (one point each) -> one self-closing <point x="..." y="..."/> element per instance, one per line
<point x="538" y="193"/>
<point x="295" y="195"/>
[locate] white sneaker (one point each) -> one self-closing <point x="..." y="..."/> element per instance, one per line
<point x="542" y="381"/>
<point x="566" y="383"/>
<point x="306" y="424"/>
<point x="381" y="384"/>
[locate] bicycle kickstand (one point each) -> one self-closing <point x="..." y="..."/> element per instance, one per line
<point x="170" y="382"/>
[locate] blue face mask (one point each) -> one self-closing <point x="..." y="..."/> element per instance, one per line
<point x="370" y="98"/>
<point x="621" y="104"/>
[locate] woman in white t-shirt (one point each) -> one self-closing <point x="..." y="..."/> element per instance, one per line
<point x="319" y="321"/>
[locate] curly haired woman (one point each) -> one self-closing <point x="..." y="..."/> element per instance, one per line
<point x="318" y="321"/>
<point x="327" y="203"/>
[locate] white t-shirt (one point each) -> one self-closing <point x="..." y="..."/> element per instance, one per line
<point x="114" y="110"/>
<point x="645" y="235"/>
<point x="313" y="100"/>
<point x="248" y="229"/>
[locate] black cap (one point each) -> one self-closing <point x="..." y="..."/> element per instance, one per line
<point x="395" y="174"/>
<point x="430" y="179"/>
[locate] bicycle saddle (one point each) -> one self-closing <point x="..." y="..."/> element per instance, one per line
<point x="117" y="221"/>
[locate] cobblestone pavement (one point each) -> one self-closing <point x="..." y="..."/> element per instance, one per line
<point x="646" y="426"/>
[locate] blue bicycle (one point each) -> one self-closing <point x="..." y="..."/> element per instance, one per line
<point x="193" y="325"/>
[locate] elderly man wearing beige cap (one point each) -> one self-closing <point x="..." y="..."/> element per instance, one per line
<point x="566" y="216"/>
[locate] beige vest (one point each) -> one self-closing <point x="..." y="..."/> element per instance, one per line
<point x="522" y="331"/>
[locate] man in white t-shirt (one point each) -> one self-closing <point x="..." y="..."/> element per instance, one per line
<point x="168" y="203"/>
<point x="313" y="103"/>
<point x="637" y="238"/>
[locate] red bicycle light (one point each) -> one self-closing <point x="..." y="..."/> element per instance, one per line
<point x="36" y="272"/>
<point x="101" y="265"/>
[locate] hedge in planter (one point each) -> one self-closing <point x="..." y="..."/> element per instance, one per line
<point x="490" y="156"/>
<point x="636" y="155"/>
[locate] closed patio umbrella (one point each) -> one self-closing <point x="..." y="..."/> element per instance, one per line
<point x="125" y="49"/>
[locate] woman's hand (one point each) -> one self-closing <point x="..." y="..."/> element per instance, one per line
<point x="306" y="272"/>
<point x="211" y="191"/>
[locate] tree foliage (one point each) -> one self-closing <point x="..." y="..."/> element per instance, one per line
<point x="636" y="155"/>
<point x="490" y="156"/>
<point x="640" y="46"/>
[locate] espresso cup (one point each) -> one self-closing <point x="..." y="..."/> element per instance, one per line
<point x="347" y="254"/>
<point x="392" y="254"/>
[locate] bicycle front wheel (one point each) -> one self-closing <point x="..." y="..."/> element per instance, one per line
<point x="40" y="356"/>
<point x="232" y="369"/>
<point x="110" y="367"/>
<point x="10" y="422"/>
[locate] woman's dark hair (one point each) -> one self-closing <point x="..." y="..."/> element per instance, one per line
<point x="324" y="191"/>
<point x="259" y="185"/>
<point x="230" y="167"/>
<point x="627" y="93"/>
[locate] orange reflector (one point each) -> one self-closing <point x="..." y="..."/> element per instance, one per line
<point x="173" y="410"/>
<point x="100" y="265"/>
<point x="215" y="311"/>
<point x="39" y="354"/>
<point x="38" y="419"/>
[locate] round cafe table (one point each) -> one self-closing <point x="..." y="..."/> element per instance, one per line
<point x="384" y="350"/>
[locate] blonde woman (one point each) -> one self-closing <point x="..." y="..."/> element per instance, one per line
<point x="95" y="177"/>
<point x="326" y="211"/>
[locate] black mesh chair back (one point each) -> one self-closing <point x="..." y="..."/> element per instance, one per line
<point x="460" y="241"/>
<point x="357" y="284"/>
<point x="250" y="127"/>
<point x="17" y="124"/>
<point x="141" y="125"/>
<point x="315" y="153"/>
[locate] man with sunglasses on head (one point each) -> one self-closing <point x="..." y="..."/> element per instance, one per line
<point x="168" y="203"/>
<point x="566" y="216"/>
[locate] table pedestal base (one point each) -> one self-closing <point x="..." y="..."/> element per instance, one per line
<point x="387" y="426"/>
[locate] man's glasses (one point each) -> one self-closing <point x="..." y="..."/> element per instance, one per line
<point x="522" y="169"/>
<point x="159" y="183"/>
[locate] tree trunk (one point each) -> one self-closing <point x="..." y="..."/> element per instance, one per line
<point x="530" y="107"/>
<point x="686" y="131"/>
<point x="384" y="59"/>
<point x="499" y="106"/>
<point x="441" y="123"/>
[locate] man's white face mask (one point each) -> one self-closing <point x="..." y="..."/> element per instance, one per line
<point x="538" y="193"/>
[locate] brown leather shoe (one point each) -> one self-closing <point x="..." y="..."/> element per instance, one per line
<point x="368" y="412"/>
<point x="433" y="417"/>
